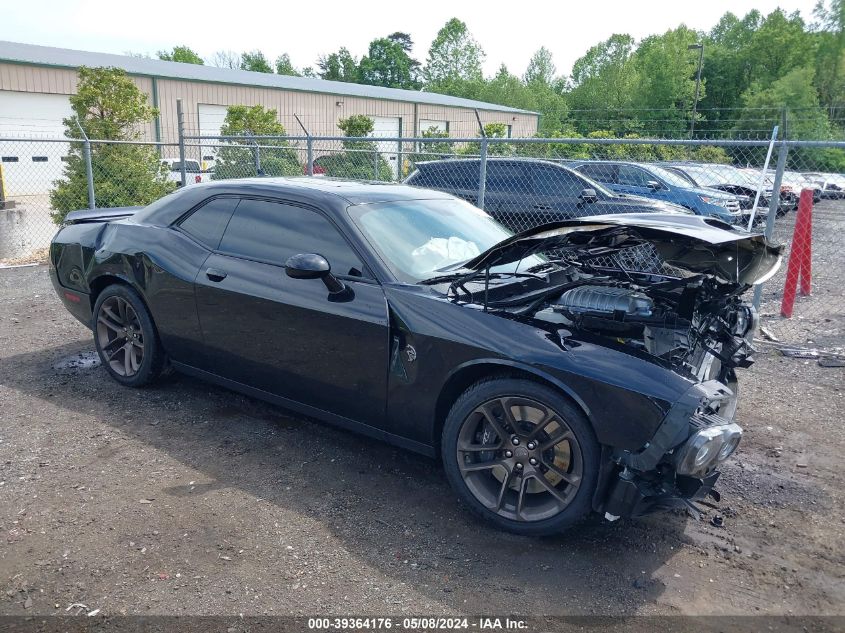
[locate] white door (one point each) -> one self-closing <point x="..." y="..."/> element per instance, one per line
<point x="211" y="119"/>
<point x="388" y="127"/>
<point x="31" y="166"/>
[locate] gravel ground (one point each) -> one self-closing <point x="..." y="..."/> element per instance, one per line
<point x="188" y="499"/>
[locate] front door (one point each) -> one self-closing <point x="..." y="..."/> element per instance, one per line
<point x="288" y="336"/>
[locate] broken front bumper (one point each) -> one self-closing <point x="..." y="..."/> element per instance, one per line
<point x="679" y="464"/>
<point x="630" y="497"/>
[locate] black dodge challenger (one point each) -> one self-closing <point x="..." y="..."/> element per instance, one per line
<point x="582" y="366"/>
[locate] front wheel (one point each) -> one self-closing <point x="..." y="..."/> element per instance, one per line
<point x="521" y="456"/>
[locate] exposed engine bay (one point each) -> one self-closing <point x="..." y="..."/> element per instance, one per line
<point x="675" y="297"/>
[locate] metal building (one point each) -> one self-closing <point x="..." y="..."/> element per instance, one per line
<point x="35" y="82"/>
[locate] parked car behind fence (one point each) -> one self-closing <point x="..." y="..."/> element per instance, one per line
<point x="522" y="193"/>
<point x="658" y="183"/>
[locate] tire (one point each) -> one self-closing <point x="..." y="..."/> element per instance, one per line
<point x="126" y="338"/>
<point x="510" y="493"/>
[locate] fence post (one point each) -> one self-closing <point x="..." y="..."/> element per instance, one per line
<point x="375" y="162"/>
<point x="89" y="169"/>
<point x="309" y="147"/>
<point x="256" y="156"/>
<point x="482" y="175"/>
<point x="309" y="151"/>
<point x="180" y="128"/>
<point x="774" y="202"/>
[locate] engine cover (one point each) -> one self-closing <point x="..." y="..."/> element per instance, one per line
<point x="604" y="300"/>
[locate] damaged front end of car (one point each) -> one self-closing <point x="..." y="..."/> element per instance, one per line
<point x="668" y="289"/>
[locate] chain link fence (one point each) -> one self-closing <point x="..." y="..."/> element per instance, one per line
<point x="753" y="185"/>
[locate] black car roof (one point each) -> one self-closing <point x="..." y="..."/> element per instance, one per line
<point x="333" y="195"/>
<point x="352" y="191"/>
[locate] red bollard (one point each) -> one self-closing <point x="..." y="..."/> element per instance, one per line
<point x="799" y="255"/>
<point x="807" y="252"/>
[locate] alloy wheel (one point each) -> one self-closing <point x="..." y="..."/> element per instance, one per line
<point x="120" y="337"/>
<point x="519" y="458"/>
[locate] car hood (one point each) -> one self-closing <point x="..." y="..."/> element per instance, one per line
<point x="690" y="242"/>
<point x="711" y="193"/>
<point x="650" y="203"/>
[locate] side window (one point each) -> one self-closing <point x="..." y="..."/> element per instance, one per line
<point x="206" y="224"/>
<point x="600" y="172"/>
<point x="633" y="176"/>
<point x="273" y="231"/>
<point x="555" y="182"/>
<point x="461" y="175"/>
<point x="506" y="178"/>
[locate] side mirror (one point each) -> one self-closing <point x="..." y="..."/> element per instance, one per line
<point x="588" y="195"/>
<point x="313" y="266"/>
<point x="653" y="185"/>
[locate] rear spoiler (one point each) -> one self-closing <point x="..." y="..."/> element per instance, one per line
<point x="100" y="215"/>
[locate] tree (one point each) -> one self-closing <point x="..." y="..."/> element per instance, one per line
<point x="602" y="85"/>
<point x="109" y="106"/>
<point x="240" y="159"/>
<point x="830" y="55"/>
<point x="665" y="91"/>
<point x="181" y="54"/>
<point x="794" y="92"/>
<point x="387" y="63"/>
<point x="256" y="62"/>
<point x="284" y="66"/>
<point x="541" y="69"/>
<point x="454" y="60"/>
<point x="226" y="59"/>
<point x="339" y="66"/>
<point x="360" y="160"/>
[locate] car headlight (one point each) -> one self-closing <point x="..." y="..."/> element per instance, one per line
<point x="706" y="447"/>
<point x="719" y="202"/>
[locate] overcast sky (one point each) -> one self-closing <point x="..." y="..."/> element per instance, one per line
<point x="509" y="32"/>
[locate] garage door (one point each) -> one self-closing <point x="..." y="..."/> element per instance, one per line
<point x="30" y="167"/>
<point x="388" y="127"/>
<point x="211" y="119"/>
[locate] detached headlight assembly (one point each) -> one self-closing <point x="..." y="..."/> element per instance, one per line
<point x="707" y="447"/>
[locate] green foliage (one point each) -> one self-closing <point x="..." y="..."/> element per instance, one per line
<point x="181" y="54"/>
<point x="491" y="130"/>
<point x="388" y="63"/>
<point x="285" y="67"/>
<point x="666" y="70"/>
<point x="256" y="62"/>
<point x="237" y="159"/>
<point x="339" y="66"/>
<point x="436" y="149"/>
<point x="360" y="160"/>
<point x="109" y="106"/>
<point x="454" y="60"/>
<point x="602" y="85"/>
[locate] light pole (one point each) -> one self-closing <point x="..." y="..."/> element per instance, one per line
<point x="700" y="49"/>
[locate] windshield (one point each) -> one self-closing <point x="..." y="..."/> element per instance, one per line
<point x="421" y="239"/>
<point x="672" y="178"/>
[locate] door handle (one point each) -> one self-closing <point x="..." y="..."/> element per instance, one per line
<point x="215" y="275"/>
<point x="542" y="207"/>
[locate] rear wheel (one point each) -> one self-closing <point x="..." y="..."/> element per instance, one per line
<point x="125" y="337"/>
<point x="521" y="456"/>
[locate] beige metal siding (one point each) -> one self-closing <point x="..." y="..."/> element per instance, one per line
<point x="319" y="112"/>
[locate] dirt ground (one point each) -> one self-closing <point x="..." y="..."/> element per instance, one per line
<point x="189" y="499"/>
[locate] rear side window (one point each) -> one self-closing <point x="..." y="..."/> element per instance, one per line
<point x="273" y="231"/>
<point x="600" y="172"/>
<point x="634" y="176"/>
<point x="556" y="182"/>
<point x="206" y="224"/>
<point x="506" y="178"/>
<point x="447" y="176"/>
